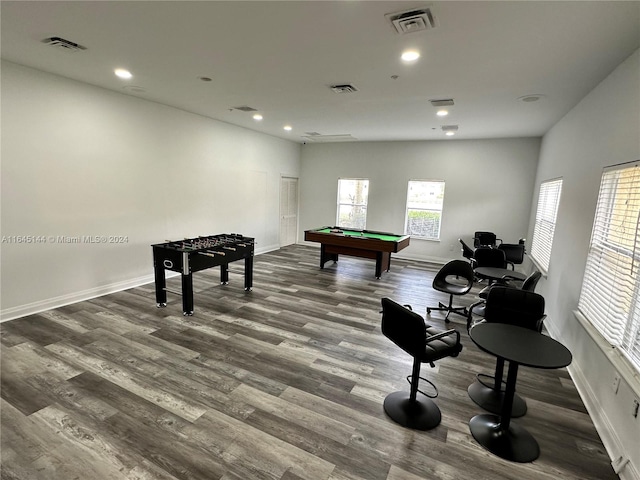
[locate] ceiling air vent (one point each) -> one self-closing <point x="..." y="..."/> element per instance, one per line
<point x="345" y="137"/>
<point x="244" y="108"/>
<point x="343" y="88"/>
<point x="447" y="102"/>
<point x="63" y="44"/>
<point x="414" y="20"/>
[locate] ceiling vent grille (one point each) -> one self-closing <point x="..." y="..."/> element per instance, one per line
<point x="343" y="88"/>
<point x="449" y="128"/>
<point x="244" y="108"/>
<point x="63" y="44"/>
<point x="346" y="137"/>
<point x="409" y="21"/>
<point x="447" y="102"/>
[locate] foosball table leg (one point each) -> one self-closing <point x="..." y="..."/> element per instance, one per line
<point x="224" y="274"/>
<point x="248" y="273"/>
<point x="187" y="294"/>
<point x="160" y="281"/>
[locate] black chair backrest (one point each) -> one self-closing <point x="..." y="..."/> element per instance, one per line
<point x="455" y="268"/>
<point x="467" y="251"/>
<point x="514" y="252"/>
<point x="516" y="307"/>
<point x="531" y="281"/>
<point x="484" y="239"/>
<point x="490" y="257"/>
<point x="404" y="327"/>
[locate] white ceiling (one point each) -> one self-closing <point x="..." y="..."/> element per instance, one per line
<point x="281" y="58"/>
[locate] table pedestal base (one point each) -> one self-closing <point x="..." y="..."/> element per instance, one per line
<point x="491" y="400"/>
<point x="421" y="414"/>
<point x="514" y="443"/>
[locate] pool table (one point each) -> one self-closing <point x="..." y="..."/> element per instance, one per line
<point x="357" y="243"/>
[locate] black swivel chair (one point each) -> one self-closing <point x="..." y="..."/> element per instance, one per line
<point x="514" y="253"/>
<point x="529" y="284"/>
<point x="425" y="344"/>
<point x="455" y="278"/>
<point x="467" y="251"/>
<point x="516" y="307"/>
<point x="488" y="257"/>
<point x="485" y="239"/>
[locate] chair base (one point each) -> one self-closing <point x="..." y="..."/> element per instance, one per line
<point x="420" y="414"/>
<point x="449" y="309"/>
<point x="491" y="400"/>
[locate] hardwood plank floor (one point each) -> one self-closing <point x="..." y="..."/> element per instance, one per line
<point x="282" y="383"/>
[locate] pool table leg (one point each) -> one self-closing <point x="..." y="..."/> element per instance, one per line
<point x="325" y="257"/>
<point x="379" y="259"/>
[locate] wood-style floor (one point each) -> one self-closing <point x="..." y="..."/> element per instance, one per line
<point x="283" y="383"/>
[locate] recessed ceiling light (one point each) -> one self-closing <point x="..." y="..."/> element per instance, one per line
<point x="410" y="55"/>
<point x="449" y="130"/>
<point x="257" y="116"/>
<point x="122" y="73"/>
<point x="442" y="113"/>
<point x="288" y="128"/>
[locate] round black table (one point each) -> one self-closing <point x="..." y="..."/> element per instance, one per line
<point x="518" y="346"/>
<point x="496" y="273"/>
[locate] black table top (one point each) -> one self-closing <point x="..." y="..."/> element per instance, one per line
<point x="521" y="345"/>
<point x="496" y="273"/>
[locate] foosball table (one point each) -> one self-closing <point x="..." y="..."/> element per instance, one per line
<point x="194" y="254"/>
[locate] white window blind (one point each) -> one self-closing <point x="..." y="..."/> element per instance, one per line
<point x="610" y="297"/>
<point x="545" y="224"/>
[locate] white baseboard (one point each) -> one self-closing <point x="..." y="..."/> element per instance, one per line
<point x="62" y="300"/>
<point x="55" y="302"/>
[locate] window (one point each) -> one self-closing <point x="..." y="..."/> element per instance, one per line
<point x="352" y="203"/>
<point x="610" y="297"/>
<point x="545" y="225"/>
<point x="424" y="209"/>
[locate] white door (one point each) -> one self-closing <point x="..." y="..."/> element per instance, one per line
<point x="288" y="211"/>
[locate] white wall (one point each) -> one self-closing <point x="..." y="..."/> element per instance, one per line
<point x="489" y="185"/>
<point x="602" y="130"/>
<point x="80" y="160"/>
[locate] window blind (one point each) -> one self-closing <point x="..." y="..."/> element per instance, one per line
<point x="610" y="299"/>
<point x="545" y="223"/>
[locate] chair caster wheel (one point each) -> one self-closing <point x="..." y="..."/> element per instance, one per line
<point x="161" y="305"/>
<point x="187" y="314"/>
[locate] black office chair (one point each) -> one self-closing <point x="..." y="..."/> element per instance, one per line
<point x="425" y="344"/>
<point x="516" y="307"/>
<point x="467" y="252"/>
<point x="528" y="284"/>
<point x="455" y="278"/>
<point x="513" y="252"/>
<point x="485" y="239"/>
<point x="488" y="257"/>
